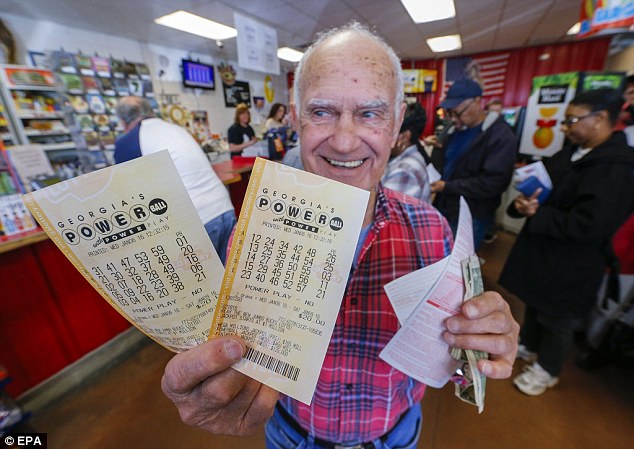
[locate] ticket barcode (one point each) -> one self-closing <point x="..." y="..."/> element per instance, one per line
<point x="271" y="363"/>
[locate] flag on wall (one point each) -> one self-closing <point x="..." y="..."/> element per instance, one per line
<point x="488" y="71"/>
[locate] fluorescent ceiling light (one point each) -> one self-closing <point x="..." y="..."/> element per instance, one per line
<point x="191" y="23"/>
<point x="445" y="43"/>
<point x="422" y="11"/>
<point x="574" y="29"/>
<point x="288" y="54"/>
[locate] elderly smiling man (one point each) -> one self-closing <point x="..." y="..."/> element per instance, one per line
<point x="349" y="108"/>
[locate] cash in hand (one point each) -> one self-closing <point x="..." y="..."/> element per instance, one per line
<point x="470" y="382"/>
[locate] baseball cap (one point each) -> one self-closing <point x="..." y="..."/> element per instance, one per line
<point x="460" y="91"/>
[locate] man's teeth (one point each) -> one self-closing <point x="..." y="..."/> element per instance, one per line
<point x="347" y="164"/>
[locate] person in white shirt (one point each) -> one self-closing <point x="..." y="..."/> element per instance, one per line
<point x="146" y="134"/>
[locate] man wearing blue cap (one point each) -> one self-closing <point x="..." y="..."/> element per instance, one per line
<point x="480" y="150"/>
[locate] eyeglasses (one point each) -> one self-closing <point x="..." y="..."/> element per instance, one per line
<point x="457" y="114"/>
<point x="572" y="120"/>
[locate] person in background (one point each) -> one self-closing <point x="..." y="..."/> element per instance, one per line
<point x="240" y="135"/>
<point x="258" y="116"/>
<point x="560" y="255"/>
<point x="480" y="151"/>
<point x="627" y="115"/>
<point x="349" y="109"/>
<point x="407" y="171"/>
<point x="146" y="134"/>
<point x="495" y="105"/>
<point x="276" y="117"/>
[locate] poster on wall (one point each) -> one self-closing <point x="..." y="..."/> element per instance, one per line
<point x="546" y="108"/>
<point x="238" y="92"/>
<point x="605" y="17"/>
<point x="604" y="80"/>
<point x="418" y="81"/>
<point x="257" y="45"/>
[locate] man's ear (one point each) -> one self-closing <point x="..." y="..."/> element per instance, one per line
<point x="294" y="116"/>
<point x="398" y="122"/>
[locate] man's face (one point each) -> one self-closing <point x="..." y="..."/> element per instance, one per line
<point x="466" y="114"/>
<point x="628" y="94"/>
<point x="346" y="113"/>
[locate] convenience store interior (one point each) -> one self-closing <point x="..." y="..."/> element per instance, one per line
<point x="101" y="390"/>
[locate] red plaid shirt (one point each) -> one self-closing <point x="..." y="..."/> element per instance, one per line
<point x="359" y="397"/>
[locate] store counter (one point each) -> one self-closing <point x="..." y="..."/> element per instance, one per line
<point x="50" y="316"/>
<point x="235" y="174"/>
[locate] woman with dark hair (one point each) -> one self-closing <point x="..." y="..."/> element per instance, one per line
<point x="559" y="257"/>
<point x="240" y="134"/>
<point x="276" y="117"/>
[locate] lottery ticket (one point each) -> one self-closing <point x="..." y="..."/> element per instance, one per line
<point x="132" y="231"/>
<point x="286" y="273"/>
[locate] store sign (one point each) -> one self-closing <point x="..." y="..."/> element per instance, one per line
<point x="546" y="107"/>
<point x="257" y="45"/>
<point x="608" y="16"/>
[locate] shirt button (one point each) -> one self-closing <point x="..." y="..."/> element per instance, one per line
<point x="348" y="387"/>
<point x="352" y="345"/>
<point x="353" y="301"/>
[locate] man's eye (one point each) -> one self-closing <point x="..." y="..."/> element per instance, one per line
<point x="370" y="114"/>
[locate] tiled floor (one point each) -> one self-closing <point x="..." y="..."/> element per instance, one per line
<point x="124" y="407"/>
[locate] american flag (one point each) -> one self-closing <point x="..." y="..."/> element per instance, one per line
<point x="489" y="71"/>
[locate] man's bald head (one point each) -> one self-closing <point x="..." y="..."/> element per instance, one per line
<point x="133" y="108"/>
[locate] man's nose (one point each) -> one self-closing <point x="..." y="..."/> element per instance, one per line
<point x="344" y="136"/>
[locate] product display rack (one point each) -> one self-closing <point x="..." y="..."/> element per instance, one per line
<point x="38" y="115"/>
<point x="8" y="135"/>
<point x="35" y="107"/>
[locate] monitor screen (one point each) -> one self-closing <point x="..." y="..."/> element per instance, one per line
<point x="197" y="74"/>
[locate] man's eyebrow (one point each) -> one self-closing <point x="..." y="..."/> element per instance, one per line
<point x="372" y="104"/>
<point x="318" y="103"/>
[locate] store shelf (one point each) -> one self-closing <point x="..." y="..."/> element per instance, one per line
<point x="52" y="132"/>
<point x="58" y="146"/>
<point x="40" y="115"/>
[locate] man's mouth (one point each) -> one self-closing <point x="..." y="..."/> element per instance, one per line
<point x="345" y="164"/>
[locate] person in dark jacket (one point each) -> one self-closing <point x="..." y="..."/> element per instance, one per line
<point x="480" y="152"/>
<point x="559" y="257"/>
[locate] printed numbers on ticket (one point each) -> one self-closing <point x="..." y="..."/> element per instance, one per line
<point x="287" y="272"/>
<point x="134" y="234"/>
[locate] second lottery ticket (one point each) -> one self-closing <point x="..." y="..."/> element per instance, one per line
<point x="287" y="272"/>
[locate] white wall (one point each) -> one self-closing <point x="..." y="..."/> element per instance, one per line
<point x="32" y="35"/>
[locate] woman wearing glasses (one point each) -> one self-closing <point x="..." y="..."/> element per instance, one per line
<point x="560" y="255"/>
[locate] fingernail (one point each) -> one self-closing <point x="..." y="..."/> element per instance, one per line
<point x="470" y="310"/>
<point x="486" y="368"/>
<point x="233" y="349"/>
<point x="449" y="338"/>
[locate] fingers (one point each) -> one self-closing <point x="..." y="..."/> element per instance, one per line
<point x="437" y="186"/>
<point x="211" y="395"/>
<point x="188" y="369"/>
<point x="486" y="324"/>
<point x="536" y="193"/>
<point x="527" y="205"/>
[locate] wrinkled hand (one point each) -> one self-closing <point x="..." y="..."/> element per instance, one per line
<point x="527" y="206"/>
<point x="486" y="324"/>
<point x="437" y="186"/>
<point x="211" y="395"/>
